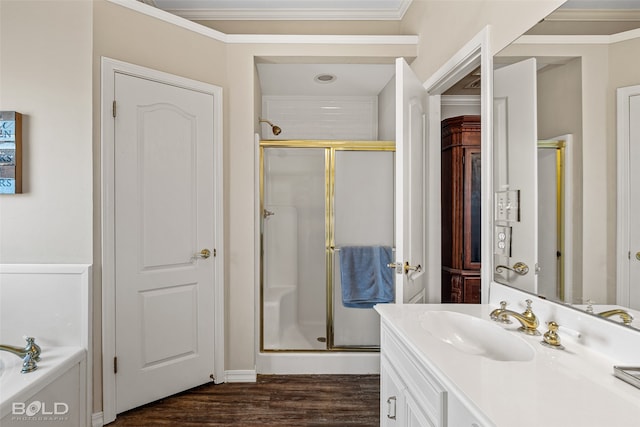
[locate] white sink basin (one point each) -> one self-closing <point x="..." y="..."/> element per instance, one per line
<point x="475" y="336"/>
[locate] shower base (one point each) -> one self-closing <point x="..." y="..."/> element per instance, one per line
<point x="318" y="363"/>
<point x="300" y="337"/>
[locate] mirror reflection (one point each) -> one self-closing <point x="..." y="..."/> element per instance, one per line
<point x="566" y="148"/>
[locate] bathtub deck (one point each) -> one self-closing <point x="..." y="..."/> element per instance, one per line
<point x="275" y="400"/>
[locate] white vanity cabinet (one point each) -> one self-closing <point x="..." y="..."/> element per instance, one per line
<point x="398" y="406"/>
<point x="432" y="375"/>
<point x="410" y="394"/>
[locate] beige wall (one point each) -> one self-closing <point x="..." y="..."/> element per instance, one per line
<point x="624" y="63"/>
<point x="51" y="61"/>
<point x="305" y="27"/>
<point x="560" y="113"/>
<point x="45" y="74"/>
<point x="445" y="26"/>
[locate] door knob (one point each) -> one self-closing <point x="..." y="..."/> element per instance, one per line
<point x="205" y="253"/>
<point x="638" y="256"/>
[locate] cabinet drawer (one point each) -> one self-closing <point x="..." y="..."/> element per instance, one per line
<point x="427" y="393"/>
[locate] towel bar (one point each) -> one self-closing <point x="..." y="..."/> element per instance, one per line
<point x="336" y="249"/>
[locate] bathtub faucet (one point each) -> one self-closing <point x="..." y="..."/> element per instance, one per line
<point x="30" y="354"/>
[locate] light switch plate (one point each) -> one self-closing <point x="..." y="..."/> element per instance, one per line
<point x="507" y="206"/>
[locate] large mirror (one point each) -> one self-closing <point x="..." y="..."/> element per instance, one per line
<point x="567" y="159"/>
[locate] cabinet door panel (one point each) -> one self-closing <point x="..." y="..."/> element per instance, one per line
<point x="472" y="220"/>
<point x="416" y="417"/>
<point x="392" y="401"/>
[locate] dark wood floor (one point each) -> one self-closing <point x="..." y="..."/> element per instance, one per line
<point x="275" y="400"/>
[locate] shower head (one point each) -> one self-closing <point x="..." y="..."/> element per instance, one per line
<point x="275" y="129"/>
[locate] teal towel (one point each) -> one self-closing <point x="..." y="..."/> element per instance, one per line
<point x="366" y="279"/>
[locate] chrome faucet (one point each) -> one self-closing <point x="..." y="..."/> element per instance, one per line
<point x="30" y="354"/>
<point x="624" y="315"/>
<point x="527" y="319"/>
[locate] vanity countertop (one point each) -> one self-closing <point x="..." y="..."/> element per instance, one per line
<point x="563" y="388"/>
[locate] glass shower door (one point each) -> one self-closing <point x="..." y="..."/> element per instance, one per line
<point x="293" y="250"/>
<point x="317" y="197"/>
<point x="362" y="216"/>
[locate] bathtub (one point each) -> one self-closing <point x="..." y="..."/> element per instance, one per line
<point x="52" y="395"/>
<point x="59" y="317"/>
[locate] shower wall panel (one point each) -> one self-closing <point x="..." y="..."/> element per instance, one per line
<point x="281" y="247"/>
<point x="317" y="117"/>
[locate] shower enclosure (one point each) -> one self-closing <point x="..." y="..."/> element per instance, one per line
<point x="316" y="197"/>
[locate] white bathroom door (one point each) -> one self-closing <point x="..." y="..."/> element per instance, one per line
<point x="516" y="166"/>
<point x="164" y="218"/>
<point x="634" y="201"/>
<point x="410" y="186"/>
<point x="549" y="249"/>
<point x="628" y="292"/>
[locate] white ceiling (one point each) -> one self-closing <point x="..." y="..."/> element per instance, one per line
<point x="298" y="79"/>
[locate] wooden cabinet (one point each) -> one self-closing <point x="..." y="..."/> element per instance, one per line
<point x="461" y="183"/>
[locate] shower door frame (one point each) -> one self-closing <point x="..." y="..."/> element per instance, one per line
<point x="330" y="147"/>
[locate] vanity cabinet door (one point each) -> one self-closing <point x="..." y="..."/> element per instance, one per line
<point x="392" y="401"/>
<point x="416" y="417"/>
<point x="398" y="407"/>
<point x="409" y="394"/>
<point x="459" y="415"/>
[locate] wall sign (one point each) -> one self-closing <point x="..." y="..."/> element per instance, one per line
<point x="10" y="152"/>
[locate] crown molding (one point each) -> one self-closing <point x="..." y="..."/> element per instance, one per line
<point x="264" y="38"/>
<point x="571" y="39"/>
<point x="563" y="39"/>
<point x="594" y="15"/>
<point x="626" y="35"/>
<point x="460" y="100"/>
<point x="320" y="39"/>
<point x="161" y="15"/>
<point x="349" y="11"/>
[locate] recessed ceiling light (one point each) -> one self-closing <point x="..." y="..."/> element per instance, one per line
<point x="325" y="78"/>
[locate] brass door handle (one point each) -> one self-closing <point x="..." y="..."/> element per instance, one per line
<point x="408" y="268"/>
<point x="638" y="256"/>
<point x="519" y="268"/>
<point x="205" y="253"/>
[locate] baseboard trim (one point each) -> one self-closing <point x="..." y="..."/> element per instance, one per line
<point x="241" y="376"/>
<point x="97" y="419"/>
